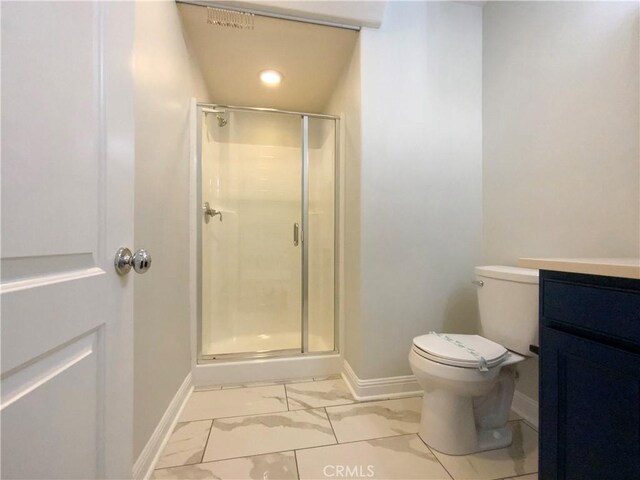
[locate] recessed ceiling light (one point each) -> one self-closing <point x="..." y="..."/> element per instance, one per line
<point x="270" y="77"/>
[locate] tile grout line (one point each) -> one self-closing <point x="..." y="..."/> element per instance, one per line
<point x="328" y="419"/>
<point x="206" y="444"/>
<point x="256" y="454"/>
<point x="246" y="414"/>
<point x="497" y="478"/>
<point x="204" y="448"/>
<point x="295" y="457"/>
<point x="233" y="458"/>
<point x="286" y="397"/>
<point x="325" y="408"/>
<point x="356" y="441"/>
<point x="331" y="425"/>
<point x="284" y="385"/>
<point x="237" y="416"/>
<point x="348" y="402"/>
<point x="435" y="456"/>
<point x="311" y="448"/>
<point x="354" y="403"/>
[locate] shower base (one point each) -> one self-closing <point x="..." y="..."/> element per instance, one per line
<point x="249" y="370"/>
<point x="247" y="344"/>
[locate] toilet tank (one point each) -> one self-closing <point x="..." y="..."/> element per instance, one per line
<point x="508" y="301"/>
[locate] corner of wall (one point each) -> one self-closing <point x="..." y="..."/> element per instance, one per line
<point x="346" y="102"/>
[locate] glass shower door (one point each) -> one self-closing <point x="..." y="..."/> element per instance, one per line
<point x="251" y="277"/>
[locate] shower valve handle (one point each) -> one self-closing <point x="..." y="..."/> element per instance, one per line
<point x="210" y="212"/>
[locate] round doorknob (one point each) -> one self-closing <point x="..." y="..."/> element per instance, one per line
<point x="140" y="261"/>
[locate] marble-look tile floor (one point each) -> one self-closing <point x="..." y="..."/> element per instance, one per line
<point x="311" y="429"/>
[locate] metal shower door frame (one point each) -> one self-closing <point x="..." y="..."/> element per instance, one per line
<point x="304" y="343"/>
<point x="304" y="330"/>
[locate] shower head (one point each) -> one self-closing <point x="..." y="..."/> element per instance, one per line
<point x="219" y="115"/>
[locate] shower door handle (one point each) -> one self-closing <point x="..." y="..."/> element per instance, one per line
<point x="296" y="234"/>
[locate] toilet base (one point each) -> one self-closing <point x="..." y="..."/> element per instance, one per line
<point x="459" y="425"/>
<point x="456" y="433"/>
<point x="493" y="439"/>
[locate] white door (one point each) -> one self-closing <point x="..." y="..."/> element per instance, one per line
<point x="67" y="206"/>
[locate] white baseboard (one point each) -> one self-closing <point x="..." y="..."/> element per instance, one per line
<point x="526" y="407"/>
<point x="379" y="388"/>
<point x="143" y="468"/>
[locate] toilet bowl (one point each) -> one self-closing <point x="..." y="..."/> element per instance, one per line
<point x="464" y="410"/>
<point x="469" y="380"/>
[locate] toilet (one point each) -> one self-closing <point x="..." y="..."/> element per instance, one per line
<point x="469" y="380"/>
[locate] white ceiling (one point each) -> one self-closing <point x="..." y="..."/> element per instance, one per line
<point x="310" y="57"/>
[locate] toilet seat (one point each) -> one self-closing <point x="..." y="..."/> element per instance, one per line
<point x="466" y="351"/>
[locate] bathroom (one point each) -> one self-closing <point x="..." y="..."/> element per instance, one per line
<point x="297" y="236"/>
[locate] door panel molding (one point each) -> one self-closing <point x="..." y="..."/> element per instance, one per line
<point x="24" y="268"/>
<point x="26" y="378"/>
<point x="18" y="285"/>
<point x="68" y="156"/>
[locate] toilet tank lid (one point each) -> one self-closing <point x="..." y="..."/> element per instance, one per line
<point x="514" y="274"/>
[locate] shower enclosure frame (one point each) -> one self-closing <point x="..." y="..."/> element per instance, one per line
<point x="202" y="358"/>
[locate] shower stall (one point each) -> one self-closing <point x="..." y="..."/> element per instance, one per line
<point x="267" y="233"/>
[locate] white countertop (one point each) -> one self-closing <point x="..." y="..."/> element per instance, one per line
<point x="608" y="267"/>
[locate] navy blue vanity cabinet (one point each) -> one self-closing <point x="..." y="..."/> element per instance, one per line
<point x="589" y="377"/>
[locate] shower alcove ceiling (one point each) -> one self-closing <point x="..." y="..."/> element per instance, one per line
<point x="267" y="264"/>
<point x="311" y="59"/>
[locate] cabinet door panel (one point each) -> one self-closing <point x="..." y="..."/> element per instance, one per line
<point x="590" y="409"/>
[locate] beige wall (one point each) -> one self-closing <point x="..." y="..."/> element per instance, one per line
<point x="560" y="120"/>
<point x="413" y="192"/>
<point x="346" y="103"/>
<point x="165" y="80"/>
<point x="421" y="178"/>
